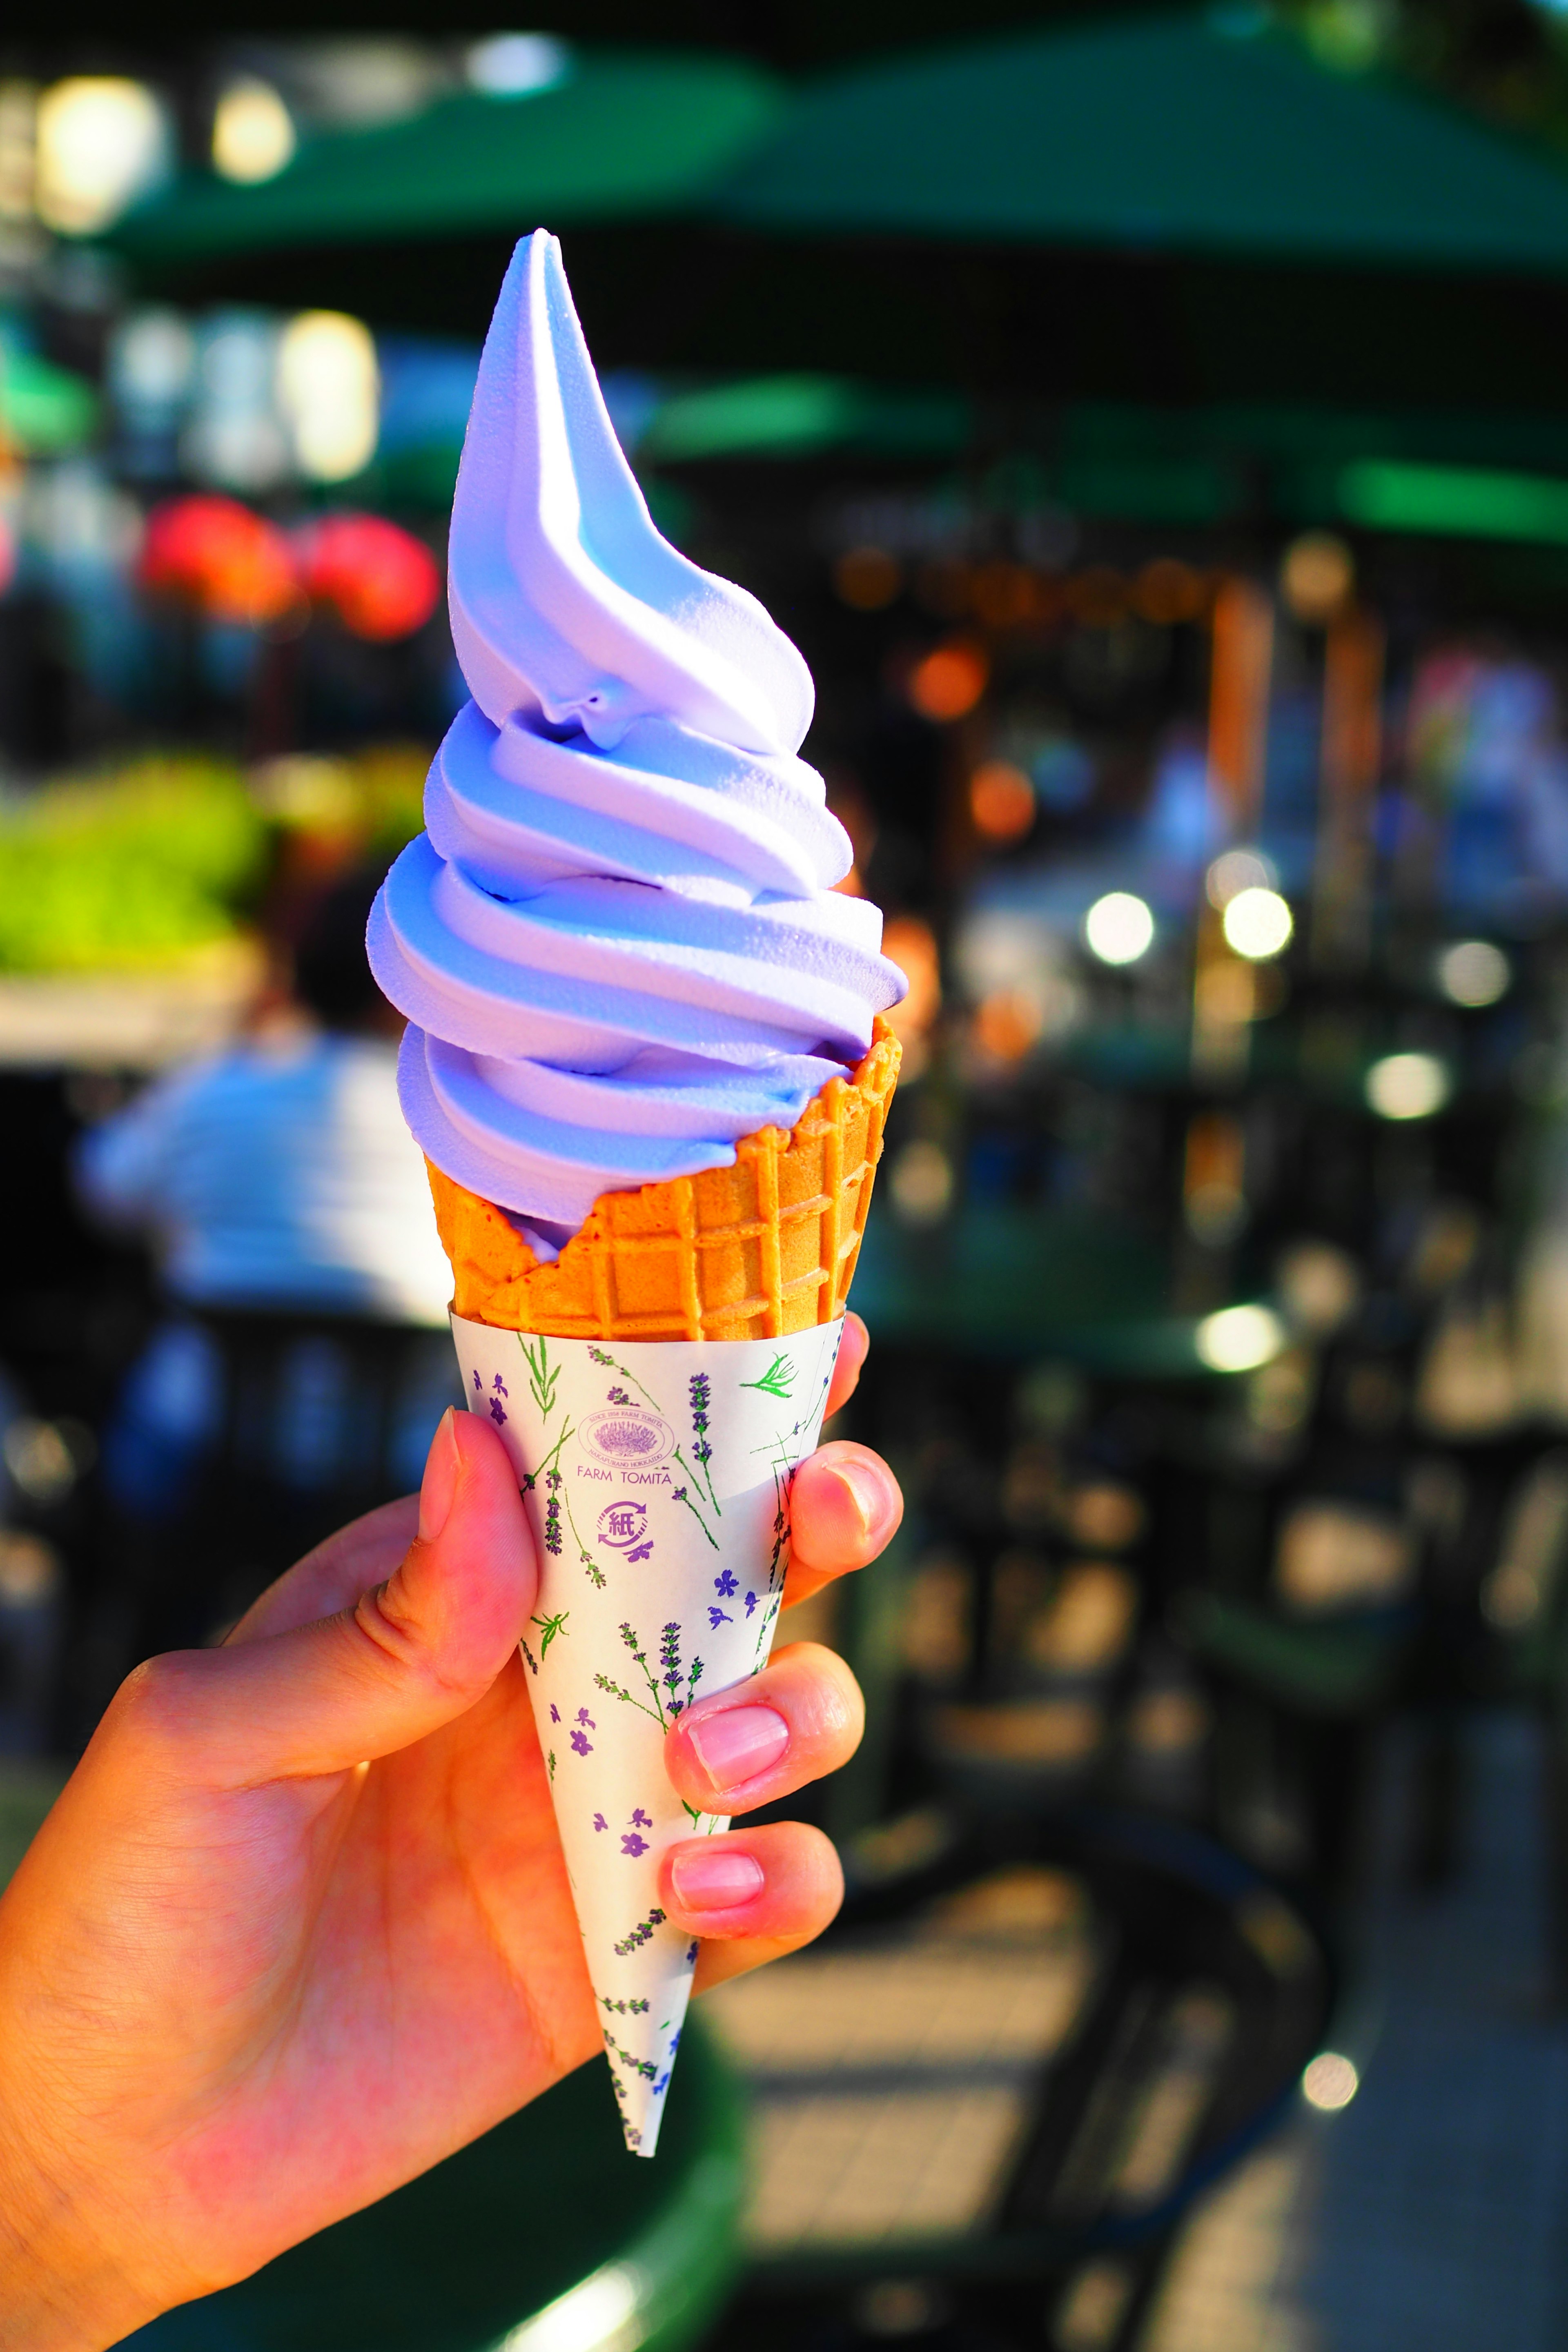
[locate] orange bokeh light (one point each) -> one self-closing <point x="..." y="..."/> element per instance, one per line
<point x="867" y="578"/>
<point x="950" y="681"/>
<point x="1007" y="1024"/>
<point x="1001" y="801"/>
<point x="1167" y="592"/>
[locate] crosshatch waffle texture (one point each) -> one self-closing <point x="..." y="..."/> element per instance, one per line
<point x="749" y="1251"/>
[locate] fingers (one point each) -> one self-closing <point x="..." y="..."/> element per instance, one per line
<point x="801" y="1717"/>
<point x="845" y="1509"/>
<point x="853" y="1350"/>
<point x="751" y="1894"/>
<point x="334" y="1576"/>
<point x="409" y="1656"/>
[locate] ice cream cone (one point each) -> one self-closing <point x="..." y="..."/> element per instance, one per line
<point x="754" y="1251"/>
<point x="655" y="1429"/>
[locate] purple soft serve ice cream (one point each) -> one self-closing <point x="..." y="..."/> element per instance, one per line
<point x="617" y="943"/>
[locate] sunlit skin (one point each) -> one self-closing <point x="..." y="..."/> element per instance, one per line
<point x="298" y="1924"/>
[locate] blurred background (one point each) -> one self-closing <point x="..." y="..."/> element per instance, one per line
<point x="1153" y="429"/>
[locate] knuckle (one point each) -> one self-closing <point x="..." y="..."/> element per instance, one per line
<point x="154" y="1707"/>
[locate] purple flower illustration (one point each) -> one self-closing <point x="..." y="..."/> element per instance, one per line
<point x="581" y="1743"/>
<point x="600" y="1822"/>
<point x="554" y="1712"/>
<point x="716" y="1617"/>
<point x="751" y="1602"/>
<point x="497" y="1412"/>
<point x="499" y="1386"/>
<point x="634" y="1845"/>
<point x="616" y="1396"/>
<point x="643" y="1551"/>
<point x="641" y="1820"/>
<point x="725" y="1585"/>
<point x="584" y="1717"/>
<point x="478" y="1384"/>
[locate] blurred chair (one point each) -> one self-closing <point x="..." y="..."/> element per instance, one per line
<point x="984" y="2100"/>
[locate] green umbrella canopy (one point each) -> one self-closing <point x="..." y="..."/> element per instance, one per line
<point x="1207" y="135"/>
<point x="623" y="134"/>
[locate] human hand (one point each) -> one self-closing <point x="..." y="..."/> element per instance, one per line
<point x="298" y="1924"/>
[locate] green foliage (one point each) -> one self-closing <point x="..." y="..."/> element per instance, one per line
<point x="127" y="870"/>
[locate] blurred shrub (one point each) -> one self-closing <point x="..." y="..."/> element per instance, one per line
<point x="126" y="870"/>
<point x="142" y="866"/>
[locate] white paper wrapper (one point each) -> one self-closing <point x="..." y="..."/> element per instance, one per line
<point x="657" y="1475"/>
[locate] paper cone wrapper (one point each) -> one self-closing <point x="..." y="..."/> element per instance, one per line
<point x="656" y="1476"/>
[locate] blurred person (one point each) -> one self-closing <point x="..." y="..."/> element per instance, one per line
<point x="299" y="1925"/>
<point x="277" y="1174"/>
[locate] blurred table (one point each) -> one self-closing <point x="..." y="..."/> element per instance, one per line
<point x="1004" y="1281"/>
<point x="125" y="1021"/>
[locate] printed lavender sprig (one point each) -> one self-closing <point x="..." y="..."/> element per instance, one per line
<point x="641" y="1934"/>
<point x="557" y="1495"/>
<point x="664" y="1688"/>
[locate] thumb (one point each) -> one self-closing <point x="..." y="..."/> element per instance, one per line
<point x="408" y="1656"/>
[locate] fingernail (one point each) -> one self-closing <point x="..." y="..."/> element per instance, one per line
<point x="441" y="1481"/>
<point x="867" y="1495"/>
<point x="714" y="1878"/>
<point x="738" y="1742"/>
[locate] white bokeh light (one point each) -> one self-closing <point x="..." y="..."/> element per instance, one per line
<point x="1258" y="923"/>
<point x="1118" y="928"/>
<point x="1473" y="973"/>
<point x="329" y="388"/>
<point x="1331" y="2082"/>
<point x="1408" y="1086"/>
<point x="253" y="132"/>
<point x="512" y="65"/>
<point x="1239" y="1338"/>
<point x="102" y="142"/>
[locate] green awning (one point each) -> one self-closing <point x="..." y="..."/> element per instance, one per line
<point x="1185" y="133"/>
<point x="625" y="135"/>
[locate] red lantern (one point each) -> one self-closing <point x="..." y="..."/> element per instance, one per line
<point x="383" y="582"/>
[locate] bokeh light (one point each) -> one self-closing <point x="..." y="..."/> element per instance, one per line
<point x="515" y="64"/>
<point x="1239" y="1338"/>
<point x="1331" y="2082"/>
<point x="1473" y="973"/>
<point x="1317" y="577"/>
<point x="1258" y="924"/>
<point x="383" y="582"/>
<point x="329" y="388"/>
<point x="921" y="1182"/>
<point x="1118" y="928"/>
<point x="867" y="578"/>
<point x="1408" y="1086"/>
<point x="950" y="681"/>
<point x="216" y="557"/>
<point x="1236" y="870"/>
<point x="102" y="142"/>
<point x="253" y="132"/>
<point x="1001" y="801"/>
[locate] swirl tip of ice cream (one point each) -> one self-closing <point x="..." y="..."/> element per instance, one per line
<point x="618" y="944"/>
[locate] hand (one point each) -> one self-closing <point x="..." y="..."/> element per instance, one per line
<point x="298" y="1924"/>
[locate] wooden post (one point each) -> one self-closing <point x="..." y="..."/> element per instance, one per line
<point x="1354" y="655"/>
<point x="1242" y="661"/>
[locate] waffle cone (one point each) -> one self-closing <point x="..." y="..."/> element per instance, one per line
<point x="744" y="1253"/>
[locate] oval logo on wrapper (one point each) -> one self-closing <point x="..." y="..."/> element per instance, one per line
<point x="629" y="1438"/>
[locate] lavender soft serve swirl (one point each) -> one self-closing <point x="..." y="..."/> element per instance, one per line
<point x="618" y="942"/>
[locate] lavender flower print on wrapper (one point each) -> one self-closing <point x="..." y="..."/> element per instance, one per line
<point x="662" y="1564"/>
